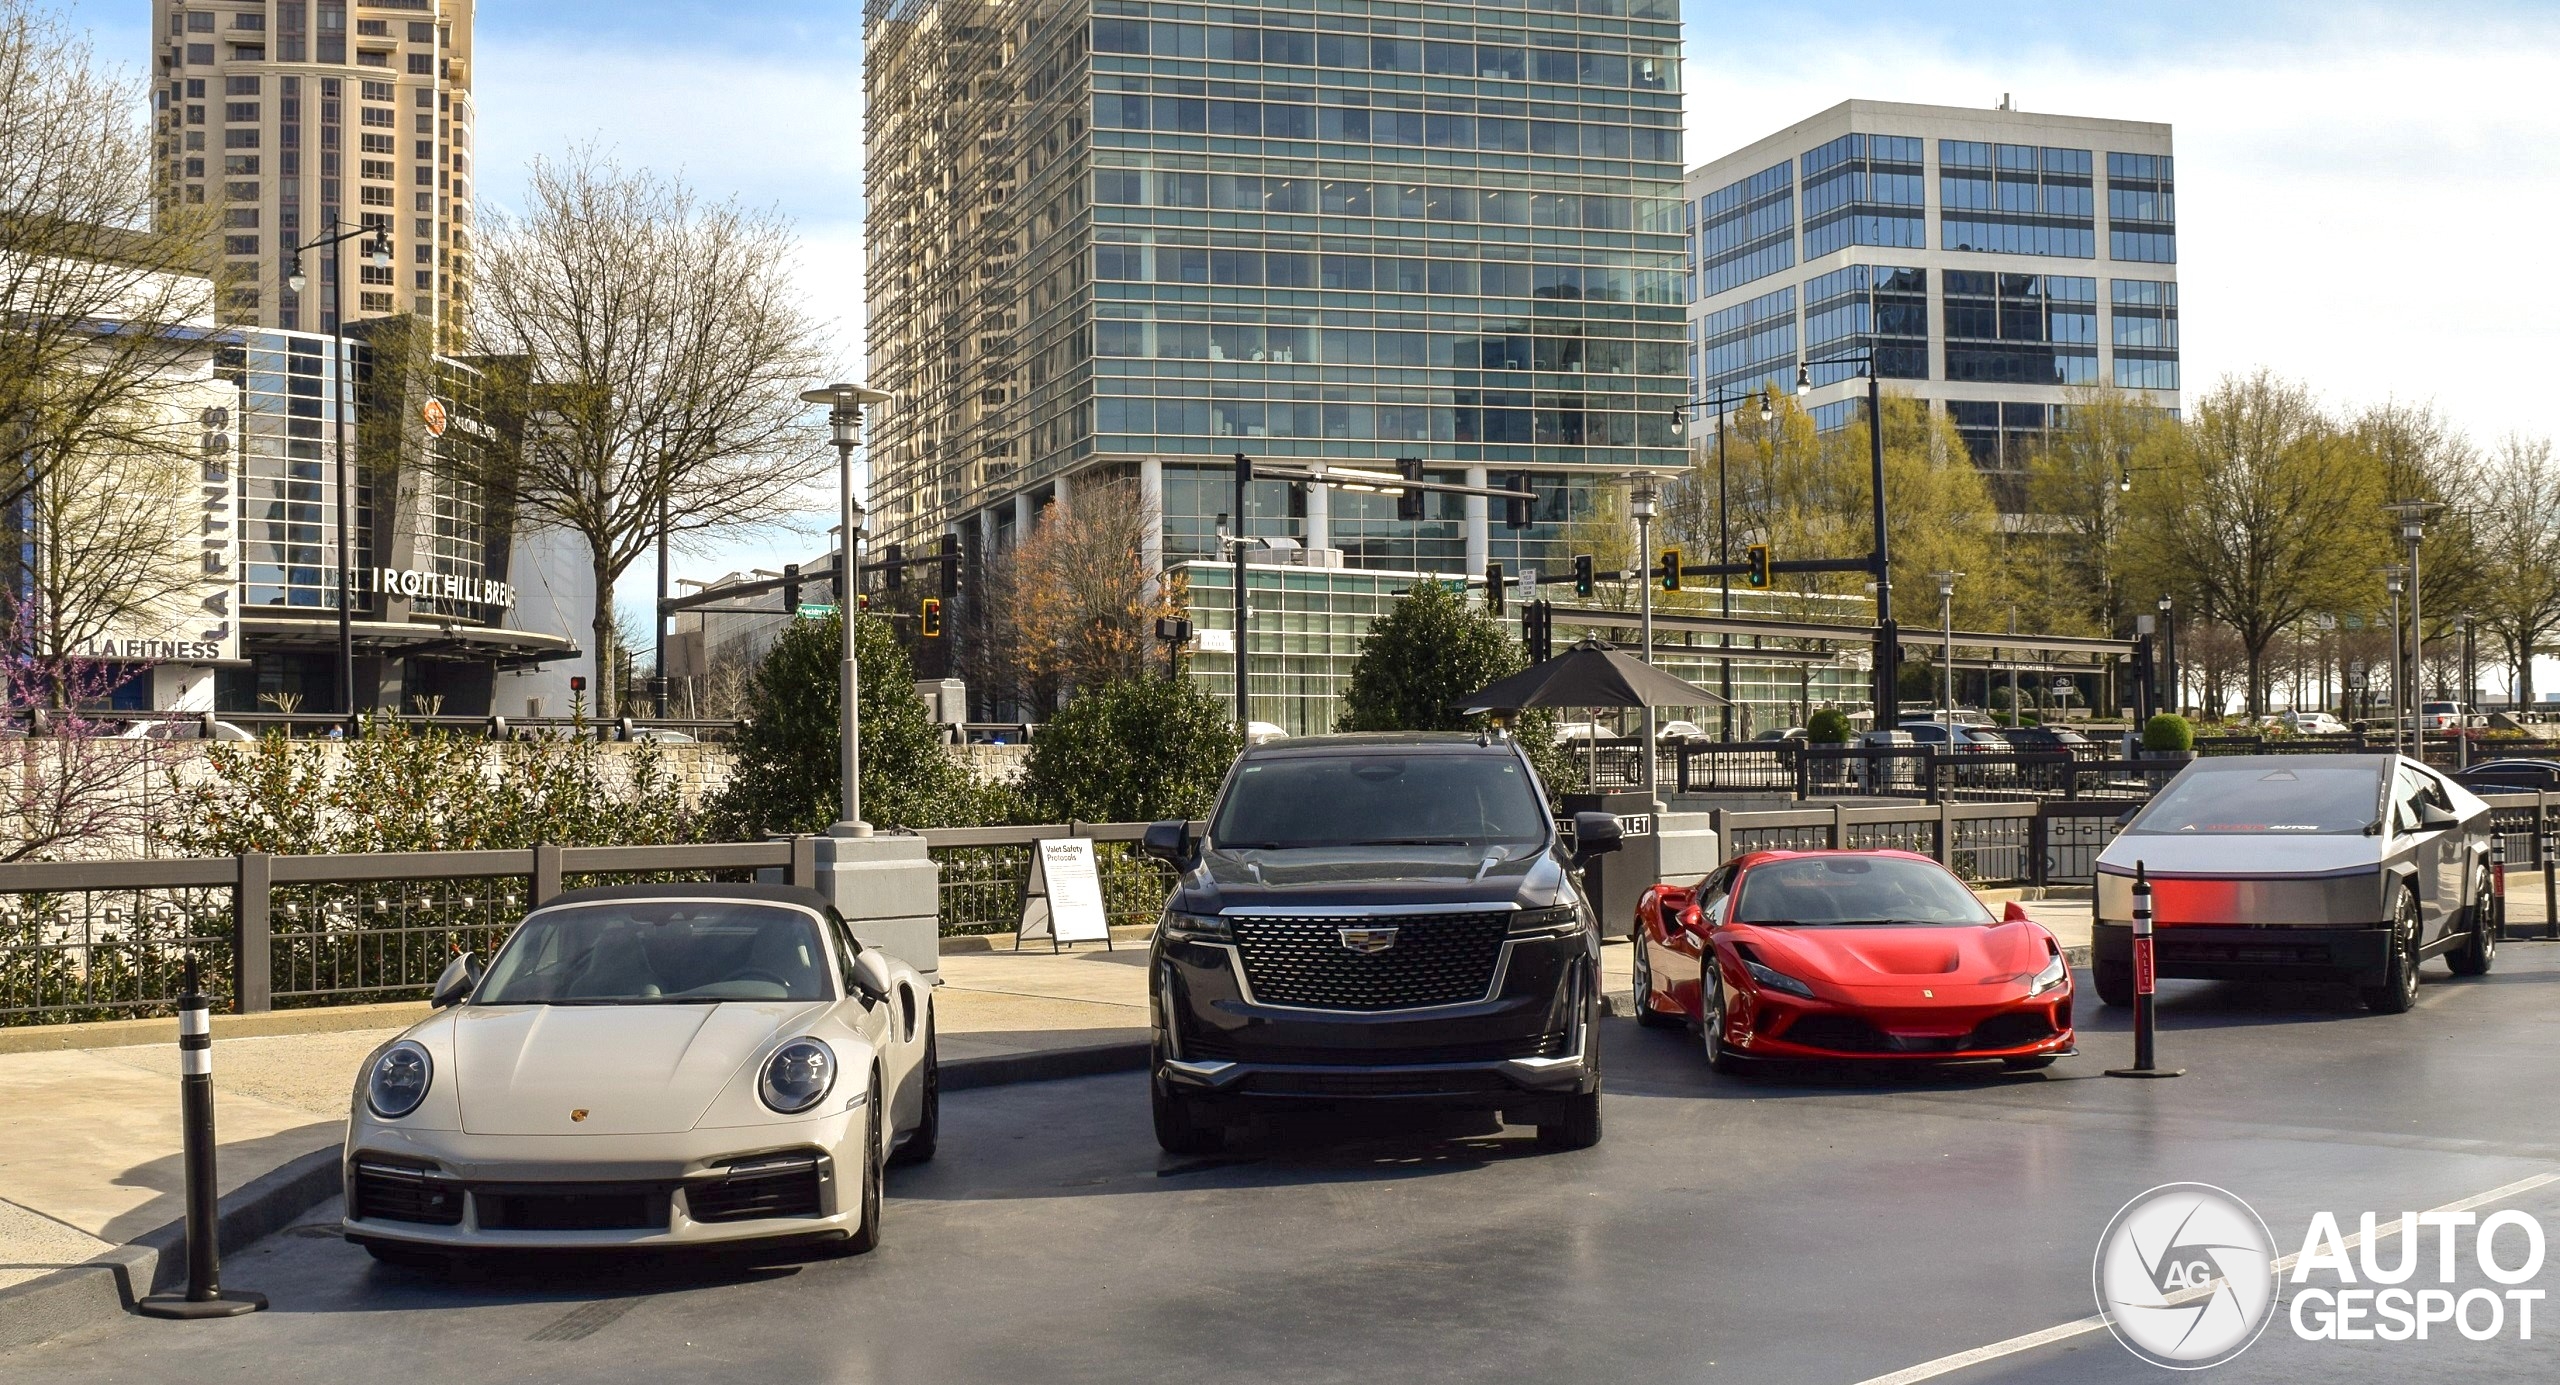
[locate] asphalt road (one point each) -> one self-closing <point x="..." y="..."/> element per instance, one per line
<point x="1792" y="1228"/>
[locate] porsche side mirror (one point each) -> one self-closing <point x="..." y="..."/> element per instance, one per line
<point x="455" y="985"/>
<point x="2015" y="913"/>
<point x="1596" y="834"/>
<point x="871" y="974"/>
<point x="1169" y="842"/>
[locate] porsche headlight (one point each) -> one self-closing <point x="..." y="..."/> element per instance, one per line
<point x="2056" y="974"/>
<point x="1197" y="928"/>
<point x="399" y="1080"/>
<point x="797" y="1076"/>
<point x="1775" y="979"/>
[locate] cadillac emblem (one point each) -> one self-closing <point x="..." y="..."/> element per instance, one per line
<point x="578" y="1114"/>
<point x="1368" y="942"/>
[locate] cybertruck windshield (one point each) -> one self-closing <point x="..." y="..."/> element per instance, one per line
<point x="2256" y="798"/>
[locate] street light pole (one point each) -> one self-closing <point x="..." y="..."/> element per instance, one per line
<point x="2169" y="655"/>
<point x="844" y="427"/>
<point x="1640" y="503"/>
<point x="2412" y="515"/>
<point x="1947" y="631"/>
<point x="1880" y="561"/>
<point x="2391" y="577"/>
<point x="1724" y="535"/>
<point x="342" y="401"/>
<point x="1244" y="613"/>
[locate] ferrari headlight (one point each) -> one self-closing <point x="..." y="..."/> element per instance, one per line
<point x="399" y="1080"/>
<point x="798" y="1076"/>
<point x="1197" y="928"/>
<point x="1563" y="918"/>
<point x="1775" y="979"/>
<point x="2056" y="974"/>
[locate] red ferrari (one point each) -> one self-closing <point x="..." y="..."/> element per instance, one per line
<point x="1861" y="955"/>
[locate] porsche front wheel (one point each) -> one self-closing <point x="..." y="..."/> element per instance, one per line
<point x="928" y="1132"/>
<point x="867" y="1237"/>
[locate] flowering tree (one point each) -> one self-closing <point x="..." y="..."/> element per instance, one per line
<point x="64" y="777"/>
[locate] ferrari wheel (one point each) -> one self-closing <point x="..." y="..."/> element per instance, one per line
<point x="1720" y="1055"/>
<point x="867" y="1237"/>
<point x="2398" y="992"/>
<point x="2475" y="957"/>
<point x="2114" y="980"/>
<point x="921" y="1141"/>
<point x="1646" y="1015"/>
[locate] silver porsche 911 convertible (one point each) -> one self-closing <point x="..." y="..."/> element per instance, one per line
<point x="648" y="1065"/>
<point x="2347" y="867"/>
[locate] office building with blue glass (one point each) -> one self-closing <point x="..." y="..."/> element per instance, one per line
<point x="1116" y="240"/>
<point x="1993" y="260"/>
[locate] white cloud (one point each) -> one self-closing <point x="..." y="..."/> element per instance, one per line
<point x="2363" y="208"/>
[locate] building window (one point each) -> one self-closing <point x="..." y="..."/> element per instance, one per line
<point x="421" y="32"/>
<point x="379" y="118"/>
<point x="374" y="197"/>
<point x="249" y="19"/>
<point x="380" y="144"/>
<point x="238" y="112"/>
<point x="239" y="245"/>
<point x="2142" y="208"/>
<point x="200" y="22"/>
<point x="1750" y="343"/>
<point x="2016" y="199"/>
<point x="1864" y="190"/>
<point x="373" y="28"/>
<point x="240" y="139"/>
<point x="2021" y="329"/>
<point x="368" y="58"/>
<point x="377" y="303"/>
<point x="2145" y="316"/>
<point x="1878" y="306"/>
<point x="378" y="169"/>
<point x="1746" y="230"/>
<point x="241" y="218"/>
<point x="199" y="55"/>
<point x="422" y="64"/>
<point x="239" y="86"/>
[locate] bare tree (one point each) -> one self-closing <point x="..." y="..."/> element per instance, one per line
<point x="1075" y="605"/>
<point x="661" y="346"/>
<point x="106" y="295"/>
<point x="2516" y="523"/>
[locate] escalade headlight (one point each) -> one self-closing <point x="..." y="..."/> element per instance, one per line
<point x="1554" y="922"/>
<point x="2056" y="974"/>
<point x="1196" y="928"/>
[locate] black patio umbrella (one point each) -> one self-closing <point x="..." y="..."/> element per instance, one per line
<point x="1591" y="674"/>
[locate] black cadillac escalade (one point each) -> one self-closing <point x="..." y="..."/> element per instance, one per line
<point x="1378" y="918"/>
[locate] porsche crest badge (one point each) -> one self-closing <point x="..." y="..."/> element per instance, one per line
<point x="578" y="1114"/>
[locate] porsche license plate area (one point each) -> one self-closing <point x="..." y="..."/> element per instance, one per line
<point x="581" y="1207"/>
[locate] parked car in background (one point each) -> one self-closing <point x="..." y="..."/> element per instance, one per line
<point x="2049" y="738"/>
<point x="183" y="727"/>
<point x="1372" y="919"/>
<point x="2314" y="724"/>
<point x="648" y="1066"/>
<point x="2443" y="716"/>
<point x="1960" y="736"/>
<point x="1783" y="733"/>
<point x="1263" y="733"/>
<point x="1849" y="955"/>
<point x="2511" y="776"/>
<point x="1681" y="731"/>
<point x="2335" y="867"/>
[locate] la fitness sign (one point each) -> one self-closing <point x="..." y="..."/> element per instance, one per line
<point x="444" y="586"/>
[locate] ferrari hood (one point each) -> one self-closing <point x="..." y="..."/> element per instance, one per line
<point x="1902" y="955"/>
<point x="606" y="1069"/>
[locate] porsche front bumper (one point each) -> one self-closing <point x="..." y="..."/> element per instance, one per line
<point x="461" y="1191"/>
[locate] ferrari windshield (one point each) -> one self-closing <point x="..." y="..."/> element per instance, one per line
<point x="1810" y="890"/>
<point x="1381" y="799"/>
<point x="2300" y="797"/>
<point x="669" y="952"/>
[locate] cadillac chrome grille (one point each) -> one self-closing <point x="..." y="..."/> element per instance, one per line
<point x="1437" y="959"/>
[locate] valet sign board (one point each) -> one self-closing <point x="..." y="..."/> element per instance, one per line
<point x="1062" y="896"/>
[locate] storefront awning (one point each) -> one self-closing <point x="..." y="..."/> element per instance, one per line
<point x="433" y="639"/>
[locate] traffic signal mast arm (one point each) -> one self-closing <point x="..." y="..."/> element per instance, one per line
<point x="1777" y="565"/>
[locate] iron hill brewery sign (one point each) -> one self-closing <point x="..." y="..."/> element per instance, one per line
<point x="444" y="586"/>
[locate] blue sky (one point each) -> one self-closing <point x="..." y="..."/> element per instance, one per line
<point x="2367" y="192"/>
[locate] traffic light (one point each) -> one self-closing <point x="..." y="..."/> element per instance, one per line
<point x="950" y="567"/>
<point x="929" y="618"/>
<point x="1516" y="513"/>
<point x="1757" y="556"/>
<point x="893" y="567"/>
<point x="1409" y="500"/>
<point x="1538" y="630"/>
<point x="1669" y="570"/>
<point x="1493" y="589"/>
<point x="1585" y="582"/>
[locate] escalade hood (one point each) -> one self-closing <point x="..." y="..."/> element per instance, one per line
<point x="632" y="1069"/>
<point x="1368" y="876"/>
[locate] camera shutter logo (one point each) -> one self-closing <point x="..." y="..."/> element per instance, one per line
<point x="2185" y="1276"/>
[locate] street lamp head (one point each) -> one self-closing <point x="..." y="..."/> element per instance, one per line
<point x="844" y="410"/>
<point x="2165" y="603"/>
<point x="1768" y="406"/>
<point x="378" y="249"/>
<point x="294" y="278"/>
<point x="1804" y="379"/>
<point x="1679" y="422"/>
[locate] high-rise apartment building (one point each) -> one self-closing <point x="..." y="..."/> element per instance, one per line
<point x="292" y="115"/>
<point x="1118" y="239"/>
<point x="1992" y="259"/>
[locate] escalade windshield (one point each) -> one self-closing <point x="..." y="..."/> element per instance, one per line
<point x="1304" y="801"/>
<point x="2254" y="798"/>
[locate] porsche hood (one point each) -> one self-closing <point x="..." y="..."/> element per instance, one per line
<point x="607" y="1069"/>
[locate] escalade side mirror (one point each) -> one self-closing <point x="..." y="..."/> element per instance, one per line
<point x="1169" y="842"/>
<point x="454" y="986"/>
<point x="1595" y="834"/>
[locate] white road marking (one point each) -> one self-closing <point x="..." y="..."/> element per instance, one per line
<point x="1946" y="1365"/>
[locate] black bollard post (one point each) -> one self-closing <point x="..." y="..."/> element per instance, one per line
<point x="204" y="1297"/>
<point x="2550" y="889"/>
<point x="2497" y="884"/>
<point x="2146" y="973"/>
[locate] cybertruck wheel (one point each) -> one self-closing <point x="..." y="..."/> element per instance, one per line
<point x="2480" y="952"/>
<point x="2398" y="992"/>
<point x="2114" y="980"/>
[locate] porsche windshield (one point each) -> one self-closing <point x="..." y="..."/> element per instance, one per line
<point x="1811" y="890"/>
<point x="662" y="952"/>
<point x="1294" y="801"/>
<point x="2294" y="799"/>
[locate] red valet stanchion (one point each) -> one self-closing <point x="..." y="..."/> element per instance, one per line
<point x="204" y="1296"/>
<point x="2146" y="977"/>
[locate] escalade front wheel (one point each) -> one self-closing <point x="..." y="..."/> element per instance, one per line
<point x="1182" y="1127"/>
<point x="1572" y="1123"/>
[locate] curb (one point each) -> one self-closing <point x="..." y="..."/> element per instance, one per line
<point x="1048" y="1065"/>
<point x="1004" y="942"/>
<point x="317" y="1019"/>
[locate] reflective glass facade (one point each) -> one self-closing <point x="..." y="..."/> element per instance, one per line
<point x="2022" y="329"/>
<point x="1745" y="231"/>
<point x="1864" y="190"/>
<point x="1868" y="305"/>
<point x="1354" y="232"/>
<point x="2146" y="333"/>
<point x="1749" y="343"/>
<point x="2016" y="199"/>
<point x="2142" y="208"/>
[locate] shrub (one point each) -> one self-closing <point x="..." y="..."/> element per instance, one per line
<point x="1422" y="658"/>
<point x="785" y="778"/>
<point x="2168" y="732"/>
<point x="1137" y="750"/>
<point x="1830" y="726"/>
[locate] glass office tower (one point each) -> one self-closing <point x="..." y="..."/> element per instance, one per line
<point x="1994" y="260"/>
<point x="1114" y="239"/>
